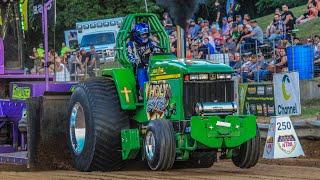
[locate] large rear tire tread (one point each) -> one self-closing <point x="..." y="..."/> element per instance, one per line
<point x="104" y="120"/>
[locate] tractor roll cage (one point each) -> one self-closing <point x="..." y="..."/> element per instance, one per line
<point x="124" y="34"/>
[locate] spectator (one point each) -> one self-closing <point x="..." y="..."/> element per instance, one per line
<point x="308" y="16"/>
<point x="316" y="3"/>
<point x="173" y="44"/>
<point x="247" y="17"/>
<point x="316" y="39"/>
<point x="225" y="27"/>
<point x="234" y="60"/>
<point x="40" y="51"/>
<point x="236" y="31"/>
<point x="230" y="21"/>
<point x="276" y="30"/>
<point x="255" y="36"/>
<point x="36" y="61"/>
<point x="280" y="63"/>
<point x="91" y="60"/>
<point x="218" y="10"/>
<point x="230" y="46"/>
<point x="288" y="19"/>
<point x="261" y="65"/>
<point x="62" y="73"/>
<point x="206" y="49"/>
<point x="193" y="29"/>
<point x="277" y="11"/>
<point x="238" y="20"/>
<point x="64" y="49"/>
<point x="167" y="23"/>
<point x="296" y="41"/>
<point x="248" y="68"/>
<point x="317" y="54"/>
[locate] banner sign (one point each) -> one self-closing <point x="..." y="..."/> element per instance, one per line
<point x="256" y="99"/>
<point x="287" y="94"/>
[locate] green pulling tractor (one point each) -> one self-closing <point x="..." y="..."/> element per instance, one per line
<point x="187" y="115"/>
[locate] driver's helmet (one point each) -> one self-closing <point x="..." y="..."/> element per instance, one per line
<point x="141" y="33"/>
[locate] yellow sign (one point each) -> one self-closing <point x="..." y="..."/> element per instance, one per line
<point x="20" y="92"/>
<point x="164" y="77"/>
<point x="126" y="92"/>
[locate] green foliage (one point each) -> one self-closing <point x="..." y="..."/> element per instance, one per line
<point x="305" y="30"/>
<point x="71" y="11"/>
<point x="268" y="6"/>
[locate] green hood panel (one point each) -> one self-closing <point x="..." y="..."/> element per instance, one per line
<point x="169" y="64"/>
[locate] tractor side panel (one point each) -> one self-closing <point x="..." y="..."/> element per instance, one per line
<point x="125" y="82"/>
<point x="47" y="126"/>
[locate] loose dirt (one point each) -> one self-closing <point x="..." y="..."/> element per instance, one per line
<point x="221" y="170"/>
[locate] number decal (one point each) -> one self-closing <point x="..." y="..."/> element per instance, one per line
<point x="284" y="126"/>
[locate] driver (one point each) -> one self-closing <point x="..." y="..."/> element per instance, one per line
<point x="140" y="48"/>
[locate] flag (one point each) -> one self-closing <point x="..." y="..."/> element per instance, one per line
<point x="23" y="8"/>
<point x="37" y="9"/>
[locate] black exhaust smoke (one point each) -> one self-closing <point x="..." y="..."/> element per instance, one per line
<point x="180" y="10"/>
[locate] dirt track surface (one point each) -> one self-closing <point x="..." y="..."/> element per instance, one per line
<point x="221" y="170"/>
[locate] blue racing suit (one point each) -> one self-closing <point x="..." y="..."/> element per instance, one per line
<point x="139" y="55"/>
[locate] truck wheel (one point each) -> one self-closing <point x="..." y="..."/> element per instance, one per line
<point x="160" y="145"/>
<point x="247" y="155"/>
<point x="96" y="120"/>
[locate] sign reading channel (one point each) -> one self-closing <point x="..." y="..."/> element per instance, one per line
<point x="287" y="94"/>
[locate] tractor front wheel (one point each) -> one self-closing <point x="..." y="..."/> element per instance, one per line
<point x="247" y="155"/>
<point x="159" y="145"/>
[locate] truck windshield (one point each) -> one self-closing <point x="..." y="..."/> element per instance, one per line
<point x="97" y="39"/>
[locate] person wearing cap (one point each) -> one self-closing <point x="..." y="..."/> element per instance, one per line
<point x="254" y="37"/>
<point x="277" y="29"/>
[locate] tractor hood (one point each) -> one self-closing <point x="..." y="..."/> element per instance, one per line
<point x="169" y="64"/>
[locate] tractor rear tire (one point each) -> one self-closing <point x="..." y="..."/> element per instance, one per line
<point x="160" y="145"/>
<point x="247" y="155"/>
<point x="102" y="119"/>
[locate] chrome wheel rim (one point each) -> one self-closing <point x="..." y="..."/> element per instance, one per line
<point x="77" y="128"/>
<point x="150" y="145"/>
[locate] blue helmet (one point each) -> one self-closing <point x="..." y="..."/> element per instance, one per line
<point x="139" y="30"/>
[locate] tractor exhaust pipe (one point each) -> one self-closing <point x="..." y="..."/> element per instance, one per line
<point x="181" y="43"/>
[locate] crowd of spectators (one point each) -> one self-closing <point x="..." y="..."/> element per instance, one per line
<point x="253" y="53"/>
<point x="65" y="62"/>
<point x="229" y="38"/>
